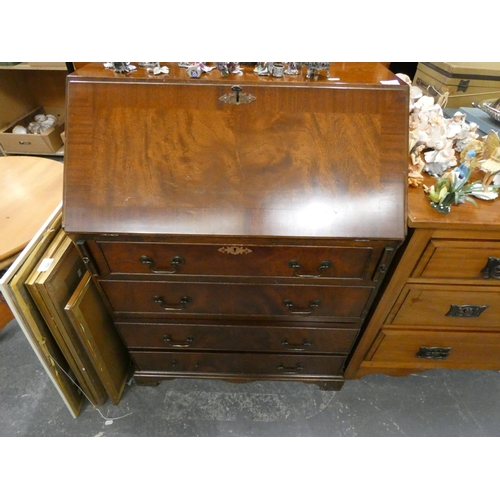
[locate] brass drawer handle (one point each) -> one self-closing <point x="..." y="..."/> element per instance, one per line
<point x="492" y="269"/>
<point x="176" y="262"/>
<point x="172" y="343"/>
<point x="296" y="347"/>
<point x="466" y="311"/>
<point x="290" y="370"/>
<point x="171" y="307"/>
<point x="293" y="310"/>
<point x="294" y="264"/>
<point x="433" y="352"/>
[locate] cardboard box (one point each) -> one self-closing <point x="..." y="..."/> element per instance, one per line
<point x="466" y="82"/>
<point x="48" y="142"/>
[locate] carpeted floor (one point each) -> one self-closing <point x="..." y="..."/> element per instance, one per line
<point x="434" y="403"/>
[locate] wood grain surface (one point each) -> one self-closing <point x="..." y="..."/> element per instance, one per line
<point x="31" y="190"/>
<point x="306" y="158"/>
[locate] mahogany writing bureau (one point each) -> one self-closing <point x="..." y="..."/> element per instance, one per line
<point x="237" y="227"/>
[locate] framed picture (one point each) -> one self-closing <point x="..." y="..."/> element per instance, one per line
<point x="51" y="285"/>
<point x="31" y="321"/>
<point x="93" y="322"/>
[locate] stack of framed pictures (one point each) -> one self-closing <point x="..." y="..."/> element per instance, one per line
<point x="59" y="309"/>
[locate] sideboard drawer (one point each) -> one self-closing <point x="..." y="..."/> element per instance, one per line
<point x="438" y="348"/>
<point x="458" y="306"/>
<point x="279" y="365"/>
<point x="237" y="337"/>
<point x="294" y="301"/>
<point x="348" y="261"/>
<point x="461" y="259"/>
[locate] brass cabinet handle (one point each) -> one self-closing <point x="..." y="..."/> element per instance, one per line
<point x="296" y="347"/>
<point x="172" y="343"/>
<point x="433" y="352"/>
<point x="290" y="370"/>
<point x="293" y="310"/>
<point x="465" y="311"/>
<point x="172" y="307"/>
<point x="176" y="262"/>
<point x="492" y="269"/>
<point x="294" y="264"/>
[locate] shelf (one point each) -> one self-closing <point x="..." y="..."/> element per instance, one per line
<point x="51" y="66"/>
<point x="56" y="154"/>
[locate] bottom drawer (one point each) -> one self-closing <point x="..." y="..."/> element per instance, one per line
<point x="238" y="364"/>
<point x="439" y="348"/>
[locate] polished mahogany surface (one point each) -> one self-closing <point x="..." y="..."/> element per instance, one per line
<point x="164" y="155"/>
<point x="237" y="240"/>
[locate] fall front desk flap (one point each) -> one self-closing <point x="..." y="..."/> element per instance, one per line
<point x="170" y="154"/>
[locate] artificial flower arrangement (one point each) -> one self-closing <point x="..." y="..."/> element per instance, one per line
<point x="453" y="188"/>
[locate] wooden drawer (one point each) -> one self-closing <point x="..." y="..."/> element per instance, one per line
<point x="279" y="365"/>
<point x="455" y="259"/>
<point x="236" y="337"/>
<point x="460" y="349"/>
<point x="354" y="261"/>
<point x="247" y="300"/>
<point x="450" y="306"/>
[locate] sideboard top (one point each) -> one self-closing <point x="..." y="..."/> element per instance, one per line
<point x="466" y="216"/>
<point x="175" y="155"/>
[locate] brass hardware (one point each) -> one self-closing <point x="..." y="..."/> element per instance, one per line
<point x="175" y="263"/>
<point x="294" y="264"/>
<point x="463" y="85"/>
<point x="433" y="352"/>
<point x="466" y="311"/>
<point x="293" y="310"/>
<point x="296" y="347"/>
<point x="492" y="269"/>
<point x="172" y="343"/>
<point x="431" y="91"/>
<point x="238" y="97"/>
<point x="233" y="250"/>
<point x="383" y="264"/>
<point x="87" y="256"/>
<point x="290" y="370"/>
<point x="171" y="307"/>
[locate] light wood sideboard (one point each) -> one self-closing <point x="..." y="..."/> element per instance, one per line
<point x="441" y="306"/>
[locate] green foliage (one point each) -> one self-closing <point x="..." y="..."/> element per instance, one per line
<point x="453" y="188"/>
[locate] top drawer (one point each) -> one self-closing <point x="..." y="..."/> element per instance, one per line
<point x="354" y="260"/>
<point x="452" y="259"/>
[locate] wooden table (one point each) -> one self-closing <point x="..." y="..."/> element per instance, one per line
<point x="31" y="190"/>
